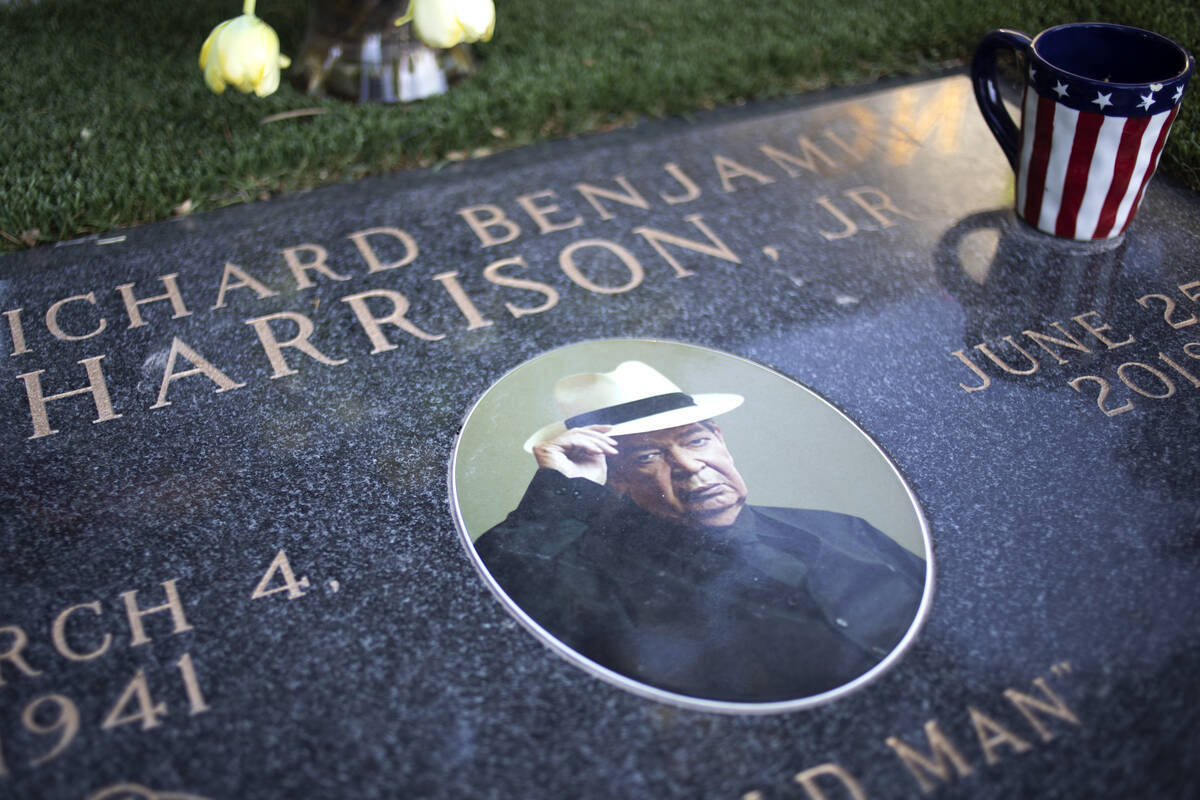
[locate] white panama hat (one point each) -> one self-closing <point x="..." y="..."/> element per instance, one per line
<point x="633" y="398"/>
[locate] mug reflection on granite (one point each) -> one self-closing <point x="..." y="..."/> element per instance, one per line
<point x="1011" y="280"/>
<point x="1098" y="105"/>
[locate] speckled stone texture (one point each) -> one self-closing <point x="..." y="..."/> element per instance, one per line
<point x="1064" y="539"/>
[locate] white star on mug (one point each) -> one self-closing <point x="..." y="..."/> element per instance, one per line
<point x="1147" y="101"/>
<point x="1060" y="89"/>
<point x="1178" y="93"/>
<point x="1103" y="100"/>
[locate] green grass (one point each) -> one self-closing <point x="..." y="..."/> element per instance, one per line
<point x="105" y="121"/>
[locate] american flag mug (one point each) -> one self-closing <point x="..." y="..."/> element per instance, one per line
<point x="1098" y="104"/>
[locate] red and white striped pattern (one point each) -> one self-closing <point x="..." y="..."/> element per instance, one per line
<point x="1082" y="175"/>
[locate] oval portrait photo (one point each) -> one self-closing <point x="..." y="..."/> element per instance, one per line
<point x="690" y="525"/>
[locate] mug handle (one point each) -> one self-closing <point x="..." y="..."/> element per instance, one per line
<point x="987" y="93"/>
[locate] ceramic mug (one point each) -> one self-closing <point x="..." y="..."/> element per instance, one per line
<point x="1099" y="101"/>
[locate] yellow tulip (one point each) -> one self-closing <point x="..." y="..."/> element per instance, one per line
<point x="445" y="23"/>
<point x="243" y="52"/>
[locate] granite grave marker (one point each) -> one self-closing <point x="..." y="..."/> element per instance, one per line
<point x="230" y="566"/>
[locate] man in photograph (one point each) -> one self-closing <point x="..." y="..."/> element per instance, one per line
<point x="634" y="545"/>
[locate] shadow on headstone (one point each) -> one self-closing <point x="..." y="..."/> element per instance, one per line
<point x="1010" y="278"/>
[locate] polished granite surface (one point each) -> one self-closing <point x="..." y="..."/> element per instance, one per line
<point x="1039" y="397"/>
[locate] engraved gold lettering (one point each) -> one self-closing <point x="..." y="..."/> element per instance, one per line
<point x="541" y="213"/>
<point x="1190" y="290"/>
<point x="135" y="614"/>
<point x="244" y="281"/>
<point x="944" y="112"/>
<point x="1168" y="309"/>
<point x="987" y="351"/>
<point x="630" y="197"/>
<point x="147" y="711"/>
<point x="449" y="280"/>
<point x="37" y="401"/>
<point x="1168" y="384"/>
<point x="58" y="333"/>
<point x="690" y="190"/>
<point x="566" y="260"/>
<point x="482" y="225"/>
<point x="1098" y="331"/>
<point x="1041" y="340"/>
<point x="789" y="161"/>
<point x="1105" y="388"/>
<point x="16" y="331"/>
<point x="983" y="376"/>
<point x="1170" y="362"/>
<point x="849" y="226"/>
<point x="282" y="567"/>
<point x="923" y="766"/>
<point x="992" y="735"/>
<point x="1192" y="349"/>
<point x="492" y="273"/>
<point x="728" y="169"/>
<point x="133" y="305"/>
<point x="191" y="685"/>
<point x="881" y="204"/>
<point x="361" y="241"/>
<point x="274" y="348"/>
<point x="65" y="724"/>
<point x="717" y="248"/>
<point x="1004" y="365"/>
<point x="1052" y="706"/>
<point x="58" y="634"/>
<point x="300" y="268"/>
<point x="200" y="366"/>
<point x="13" y="654"/>
<point x="833" y="136"/>
<point x="371" y="324"/>
<point x="808" y="779"/>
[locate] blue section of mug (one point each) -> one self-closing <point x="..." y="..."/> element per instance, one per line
<point x="1112" y="70"/>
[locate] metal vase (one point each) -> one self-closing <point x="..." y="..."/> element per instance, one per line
<point x="353" y="50"/>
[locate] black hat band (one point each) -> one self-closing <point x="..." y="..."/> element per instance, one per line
<point x="634" y="409"/>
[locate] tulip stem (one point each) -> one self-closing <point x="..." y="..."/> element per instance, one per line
<point x="407" y="15"/>
<point x="248" y="7"/>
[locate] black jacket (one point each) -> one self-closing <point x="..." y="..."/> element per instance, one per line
<point x="783" y="604"/>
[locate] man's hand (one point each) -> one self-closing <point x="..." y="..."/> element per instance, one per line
<point x="578" y="453"/>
